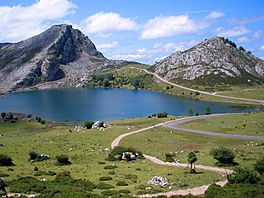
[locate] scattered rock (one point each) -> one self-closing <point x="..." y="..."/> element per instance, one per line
<point x="157" y="180"/>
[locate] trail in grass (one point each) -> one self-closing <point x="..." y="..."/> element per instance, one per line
<point x="247" y="100"/>
<point x="196" y="191"/>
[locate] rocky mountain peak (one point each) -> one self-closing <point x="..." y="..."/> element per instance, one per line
<point x="215" y="60"/>
<point x="59" y="53"/>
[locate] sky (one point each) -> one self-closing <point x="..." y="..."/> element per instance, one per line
<point x="139" y="30"/>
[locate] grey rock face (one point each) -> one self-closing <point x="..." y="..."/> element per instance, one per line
<point x="215" y="59"/>
<point x="56" y="55"/>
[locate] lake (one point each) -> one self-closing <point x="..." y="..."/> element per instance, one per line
<point x="104" y="104"/>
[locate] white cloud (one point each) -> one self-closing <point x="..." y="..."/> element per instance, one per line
<point x="141" y="50"/>
<point x="160" y="27"/>
<point x="214" y="15"/>
<point x="234" y="32"/>
<point x="130" y="57"/>
<point x="106" y="46"/>
<point x="261" y="48"/>
<point x="104" y="23"/>
<point x="20" y="22"/>
<point x="166" y="26"/>
<point x="246" y="39"/>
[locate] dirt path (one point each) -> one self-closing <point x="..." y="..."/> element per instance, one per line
<point x="200" y="190"/>
<point x="249" y="101"/>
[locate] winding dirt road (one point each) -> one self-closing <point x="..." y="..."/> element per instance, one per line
<point x="196" y="191"/>
<point x="247" y="100"/>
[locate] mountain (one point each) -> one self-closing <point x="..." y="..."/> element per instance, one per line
<point x="61" y="55"/>
<point x="213" y="61"/>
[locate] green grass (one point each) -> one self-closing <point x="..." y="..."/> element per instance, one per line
<point x="242" y="124"/>
<point x="159" y="141"/>
<point x="86" y="149"/>
<point x="257" y="93"/>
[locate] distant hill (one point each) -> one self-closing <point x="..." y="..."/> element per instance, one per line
<point x="60" y="55"/>
<point x="213" y="61"/>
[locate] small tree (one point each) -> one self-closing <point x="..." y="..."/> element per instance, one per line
<point x="224" y="156"/>
<point x="3" y="115"/>
<point x="259" y="166"/>
<point x="32" y="155"/>
<point x="88" y="124"/>
<point x="192" y="158"/>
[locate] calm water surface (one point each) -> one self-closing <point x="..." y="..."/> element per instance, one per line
<point x="104" y="104"/>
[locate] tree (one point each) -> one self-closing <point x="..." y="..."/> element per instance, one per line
<point x="241" y="49"/>
<point x="224" y="156"/>
<point x="3" y="115"/>
<point x="88" y="124"/>
<point x="192" y="158"/>
<point x="106" y="83"/>
<point x="259" y="166"/>
<point x="190" y="111"/>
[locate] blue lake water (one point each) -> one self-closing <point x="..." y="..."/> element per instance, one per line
<point x="104" y="104"/>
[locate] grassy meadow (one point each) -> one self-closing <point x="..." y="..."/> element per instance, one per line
<point x="87" y="150"/>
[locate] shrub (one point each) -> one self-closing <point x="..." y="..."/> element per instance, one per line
<point x="88" y="124"/>
<point x="259" y="166"/>
<point x="26" y="185"/>
<point x="223" y="155"/>
<point x="242" y="175"/>
<point x="29" y="116"/>
<point x="101" y="162"/>
<point x="3" y="174"/>
<point x="162" y="115"/>
<point x="105" y="178"/>
<point x="5" y="160"/>
<point x="62" y="160"/>
<point x="111" y="172"/>
<point x="102" y="185"/>
<point x="121" y="183"/>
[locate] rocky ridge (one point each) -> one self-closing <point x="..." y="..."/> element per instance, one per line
<point x="214" y="60"/>
<point x="60" y="56"/>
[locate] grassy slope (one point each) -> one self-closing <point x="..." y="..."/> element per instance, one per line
<point x="243" y="124"/>
<point x="88" y="148"/>
<point x="252" y="93"/>
<point x="126" y="75"/>
<point x="162" y="140"/>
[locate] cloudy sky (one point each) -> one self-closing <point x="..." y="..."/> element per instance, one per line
<point x="139" y="30"/>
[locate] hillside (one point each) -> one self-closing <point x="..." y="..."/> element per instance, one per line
<point x="212" y="62"/>
<point x="60" y="53"/>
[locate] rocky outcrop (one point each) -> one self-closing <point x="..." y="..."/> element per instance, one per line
<point x="58" y="55"/>
<point x="214" y="60"/>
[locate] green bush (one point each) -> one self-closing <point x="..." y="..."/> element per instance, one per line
<point x="5" y="160"/>
<point x="88" y="124"/>
<point x="242" y="175"/>
<point x="48" y="173"/>
<point x="121" y="183"/>
<point x="3" y="174"/>
<point x="102" y="185"/>
<point x="259" y="166"/>
<point x="62" y="160"/>
<point x="224" y="156"/>
<point x="27" y="185"/>
<point x="162" y="115"/>
<point x="105" y="178"/>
